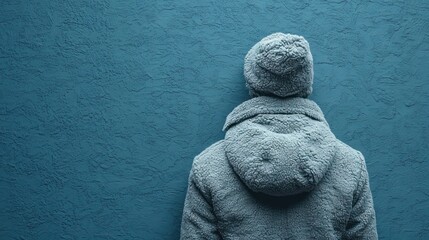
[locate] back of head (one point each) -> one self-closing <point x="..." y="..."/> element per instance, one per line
<point x="279" y="65"/>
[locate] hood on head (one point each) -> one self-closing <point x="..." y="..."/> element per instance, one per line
<point x="279" y="146"/>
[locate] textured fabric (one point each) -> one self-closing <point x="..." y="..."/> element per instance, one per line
<point x="280" y="173"/>
<point x="279" y="65"/>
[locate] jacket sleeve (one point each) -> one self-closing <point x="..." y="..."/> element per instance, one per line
<point x="198" y="220"/>
<point x="362" y="223"/>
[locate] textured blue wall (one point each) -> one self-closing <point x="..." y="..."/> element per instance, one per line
<point x="104" y="104"/>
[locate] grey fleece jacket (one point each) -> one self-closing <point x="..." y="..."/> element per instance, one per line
<point x="280" y="173"/>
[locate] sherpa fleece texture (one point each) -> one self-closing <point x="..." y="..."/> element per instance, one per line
<point x="279" y="65"/>
<point x="280" y="173"/>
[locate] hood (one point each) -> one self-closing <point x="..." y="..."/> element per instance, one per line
<point x="279" y="146"/>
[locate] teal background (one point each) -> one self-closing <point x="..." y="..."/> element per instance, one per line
<point x="104" y="104"/>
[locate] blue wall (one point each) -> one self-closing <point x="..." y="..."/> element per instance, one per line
<point x="104" y="104"/>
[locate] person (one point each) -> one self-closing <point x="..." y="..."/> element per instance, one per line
<point x="279" y="173"/>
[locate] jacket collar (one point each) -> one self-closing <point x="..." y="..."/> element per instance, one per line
<point x="270" y="105"/>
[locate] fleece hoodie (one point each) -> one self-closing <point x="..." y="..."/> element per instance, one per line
<point x="279" y="173"/>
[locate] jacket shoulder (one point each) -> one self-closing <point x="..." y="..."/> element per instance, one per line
<point x="350" y="154"/>
<point x="350" y="162"/>
<point x="210" y="162"/>
<point x="212" y="152"/>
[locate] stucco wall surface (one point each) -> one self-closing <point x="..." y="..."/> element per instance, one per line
<point x="104" y="104"/>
